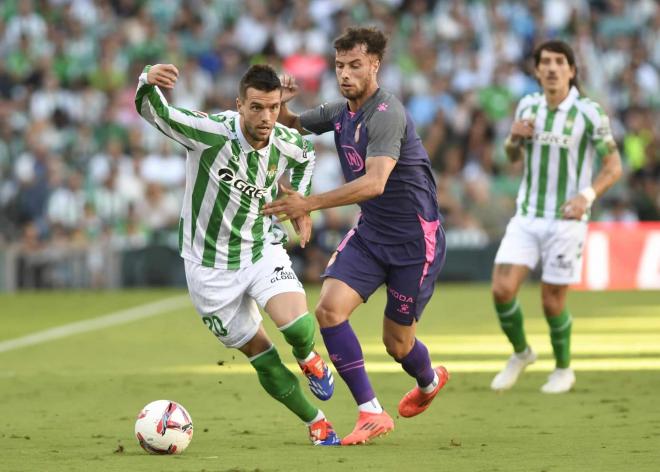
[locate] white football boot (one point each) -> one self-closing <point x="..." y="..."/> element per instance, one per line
<point x="514" y="367"/>
<point x="559" y="381"/>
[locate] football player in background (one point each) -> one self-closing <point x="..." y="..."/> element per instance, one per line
<point x="558" y="133"/>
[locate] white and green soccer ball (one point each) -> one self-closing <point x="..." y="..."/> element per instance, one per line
<point x="164" y="427"/>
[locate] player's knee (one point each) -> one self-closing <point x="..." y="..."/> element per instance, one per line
<point x="502" y="292"/>
<point x="327" y="315"/>
<point x="552" y="306"/>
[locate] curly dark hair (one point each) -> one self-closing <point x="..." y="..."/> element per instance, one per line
<point x="372" y="38"/>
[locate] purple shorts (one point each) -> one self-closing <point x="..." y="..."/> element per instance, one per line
<point x="409" y="270"/>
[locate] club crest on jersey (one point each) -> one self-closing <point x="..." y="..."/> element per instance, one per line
<point x="353" y="158"/>
<point x="272" y="170"/>
<point x="545" y="137"/>
<point x="227" y="176"/>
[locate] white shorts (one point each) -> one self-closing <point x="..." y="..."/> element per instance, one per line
<point x="227" y="299"/>
<point x="558" y="243"/>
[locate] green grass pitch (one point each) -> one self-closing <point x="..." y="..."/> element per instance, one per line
<point x="69" y="404"/>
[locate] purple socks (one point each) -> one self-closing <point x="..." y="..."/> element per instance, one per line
<point x="346" y="354"/>
<point x="417" y="364"/>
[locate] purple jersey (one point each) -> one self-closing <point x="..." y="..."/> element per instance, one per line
<point x="382" y="127"/>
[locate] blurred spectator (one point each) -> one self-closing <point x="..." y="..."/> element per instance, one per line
<point x="618" y="210"/>
<point x="78" y="166"/>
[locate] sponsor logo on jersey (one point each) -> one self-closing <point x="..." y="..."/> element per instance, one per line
<point x="545" y="137"/>
<point x="307" y="146"/>
<point x="227" y="176"/>
<point x="353" y="158"/>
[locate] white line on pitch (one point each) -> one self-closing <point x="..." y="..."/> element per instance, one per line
<point x="112" y="319"/>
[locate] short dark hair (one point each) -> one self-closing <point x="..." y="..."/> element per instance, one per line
<point x="561" y="47"/>
<point x="372" y="38"/>
<point x="261" y="77"/>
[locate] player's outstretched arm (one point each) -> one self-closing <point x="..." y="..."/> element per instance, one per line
<point x="191" y="129"/>
<point x="370" y="185"/>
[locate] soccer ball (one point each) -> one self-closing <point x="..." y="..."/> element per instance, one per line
<point x="164" y="427"/>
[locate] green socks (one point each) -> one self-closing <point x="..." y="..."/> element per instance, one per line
<point x="560" y="336"/>
<point x="282" y="384"/>
<point x="300" y="335"/>
<point x="511" y="321"/>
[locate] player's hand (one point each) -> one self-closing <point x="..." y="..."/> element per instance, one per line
<point x="522" y="129"/>
<point x="575" y="208"/>
<point x="163" y="75"/>
<point x="303" y="228"/>
<point x="290" y="207"/>
<point x="289" y="87"/>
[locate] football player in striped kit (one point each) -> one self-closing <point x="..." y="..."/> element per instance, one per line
<point x="559" y="134"/>
<point x="234" y="256"/>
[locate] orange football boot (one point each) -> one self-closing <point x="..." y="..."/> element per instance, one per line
<point x="415" y="401"/>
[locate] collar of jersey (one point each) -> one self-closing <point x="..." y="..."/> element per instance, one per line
<point x="364" y="106"/>
<point x="247" y="147"/>
<point x="567" y="103"/>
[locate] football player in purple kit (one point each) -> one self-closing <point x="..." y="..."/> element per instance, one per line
<point x="398" y="240"/>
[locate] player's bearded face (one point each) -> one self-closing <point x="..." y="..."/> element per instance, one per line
<point x="356" y="71"/>
<point x="554" y="72"/>
<point x="259" y="110"/>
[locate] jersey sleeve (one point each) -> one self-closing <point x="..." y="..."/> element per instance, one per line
<point x="386" y="128"/>
<point x="319" y="120"/>
<point x="302" y="169"/>
<point x="601" y="135"/>
<point x="192" y="129"/>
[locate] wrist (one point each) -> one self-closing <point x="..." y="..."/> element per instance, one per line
<point x="144" y="76"/>
<point x="312" y="203"/>
<point x="589" y="194"/>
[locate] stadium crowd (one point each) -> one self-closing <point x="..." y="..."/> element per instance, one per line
<point x="79" y="167"/>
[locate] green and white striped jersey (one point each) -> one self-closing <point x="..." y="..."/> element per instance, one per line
<point x="227" y="180"/>
<point x="560" y="156"/>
